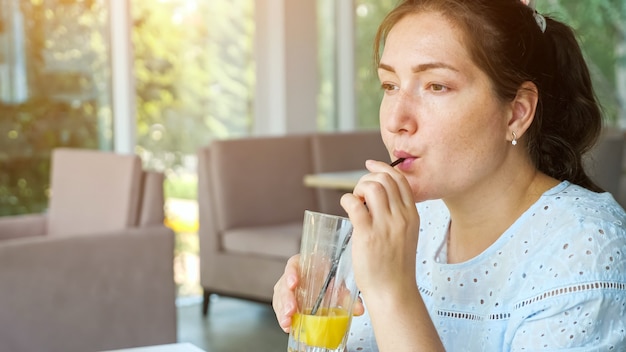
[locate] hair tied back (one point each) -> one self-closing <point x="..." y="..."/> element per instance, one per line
<point x="541" y="21"/>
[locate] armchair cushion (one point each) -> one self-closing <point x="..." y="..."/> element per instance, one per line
<point x="281" y="241"/>
<point x="258" y="181"/>
<point x="93" y="191"/>
<point x="152" y="212"/>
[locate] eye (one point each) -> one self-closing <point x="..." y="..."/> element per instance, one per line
<point x="389" y="87"/>
<point x="436" y="87"/>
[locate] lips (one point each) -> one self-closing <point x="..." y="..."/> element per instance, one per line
<point x="406" y="164"/>
<point x="403" y="155"/>
<point x="408" y="160"/>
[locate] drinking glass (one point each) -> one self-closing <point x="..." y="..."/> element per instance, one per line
<point x="326" y="290"/>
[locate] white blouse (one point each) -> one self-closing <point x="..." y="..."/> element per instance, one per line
<point x="556" y="279"/>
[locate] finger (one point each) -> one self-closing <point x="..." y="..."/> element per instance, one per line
<point x="379" y="193"/>
<point x="284" y="299"/>
<point x="358" y="309"/>
<point x="355" y="207"/>
<point x="291" y="271"/>
<point x="400" y="184"/>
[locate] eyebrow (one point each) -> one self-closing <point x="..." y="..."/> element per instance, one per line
<point x="421" y="68"/>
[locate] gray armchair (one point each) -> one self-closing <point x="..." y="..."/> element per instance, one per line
<point x="95" y="272"/>
<point x="251" y="203"/>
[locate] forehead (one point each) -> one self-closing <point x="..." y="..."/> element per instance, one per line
<point x="425" y="36"/>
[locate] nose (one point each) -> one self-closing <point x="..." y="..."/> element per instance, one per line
<point x="398" y="113"/>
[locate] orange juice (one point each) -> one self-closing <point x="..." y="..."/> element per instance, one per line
<point x="325" y="330"/>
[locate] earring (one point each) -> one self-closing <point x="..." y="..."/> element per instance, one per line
<point x="514" y="141"/>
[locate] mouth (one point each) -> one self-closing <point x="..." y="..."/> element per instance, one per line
<point x="403" y="155"/>
<point x="404" y="160"/>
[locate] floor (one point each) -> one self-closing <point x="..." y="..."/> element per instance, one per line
<point x="232" y="325"/>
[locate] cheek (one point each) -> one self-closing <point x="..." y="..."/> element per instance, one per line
<point x="454" y="153"/>
<point x="384" y="112"/>
<point x="473" y="136"/>
<point x="456" y="149"/>
<point x="460" y="142"/>
<point x="468" y="155"/>
<point x="387" y="138"/>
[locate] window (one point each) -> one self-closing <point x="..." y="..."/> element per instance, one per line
<point x="369" y="14"/>
<point x="54" y="91"/>
<point x="194" y="76"/>
<point x="194" y="82"/>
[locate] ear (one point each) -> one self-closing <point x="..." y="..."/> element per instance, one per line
<point x="523" y="109"/>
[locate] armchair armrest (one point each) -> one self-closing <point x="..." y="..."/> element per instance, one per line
<point x="17" y="226"/>
<point x="112" y="290"/>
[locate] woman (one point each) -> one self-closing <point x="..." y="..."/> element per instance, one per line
<point x="491" y="106"/>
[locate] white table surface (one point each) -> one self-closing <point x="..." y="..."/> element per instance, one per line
<point x="174" y="347"/>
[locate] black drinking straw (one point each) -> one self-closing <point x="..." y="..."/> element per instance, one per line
<point x="398" y="161"/>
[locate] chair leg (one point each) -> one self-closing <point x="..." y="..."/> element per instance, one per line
<point x="205" y="302"/>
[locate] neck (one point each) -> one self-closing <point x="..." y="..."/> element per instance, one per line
<point x="480" y="217"/>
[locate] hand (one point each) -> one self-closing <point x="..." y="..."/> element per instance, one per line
<point x="384" y="240"/>
<point x="284" y="298"/>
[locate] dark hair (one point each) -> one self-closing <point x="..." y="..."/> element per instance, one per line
<point x="506" y="42"/>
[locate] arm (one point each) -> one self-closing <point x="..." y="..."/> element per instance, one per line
<point x="401" y="322"/>
<point x="18" y="226"/>
<point x="384" y="246"/>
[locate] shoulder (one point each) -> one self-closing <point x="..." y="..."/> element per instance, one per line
<point x="572" y="225"/>
<point x="574" y="214"/>
<point x="572" y="201"/>
<point x="572" y="238"/>
<point x="574" y="273"/>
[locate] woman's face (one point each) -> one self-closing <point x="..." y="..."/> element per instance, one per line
<point x="439" y="109"/>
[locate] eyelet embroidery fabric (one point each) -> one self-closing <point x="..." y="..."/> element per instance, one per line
<point x="556" y="279"/>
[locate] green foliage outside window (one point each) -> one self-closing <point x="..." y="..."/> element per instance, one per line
<point x="63" y="107"/>
<point x="193" y="77"/>
<point x="31" y="130"/>
<point x="369" y="14"/>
